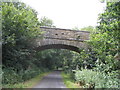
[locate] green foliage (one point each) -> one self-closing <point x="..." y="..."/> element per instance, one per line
<point x="94" y="79"/>
<point x="20" y="26"/>
<point x="55" y="58"/>
<point x="44" y="21"/>
<point x="106" y="42"/>
<point x="21" y="62"/>
<point x="88" y="28"/>
<point x="27" y="84"/>
<point x="68" y="81"/>
<point x="10" y="76"/>
<point x="104" y="46"/>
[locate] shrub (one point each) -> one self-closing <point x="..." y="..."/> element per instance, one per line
<point x="11" y="76"/>
<point x="93" y="79"/>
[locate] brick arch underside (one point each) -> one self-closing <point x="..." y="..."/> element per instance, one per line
<point x="58" y="46"/>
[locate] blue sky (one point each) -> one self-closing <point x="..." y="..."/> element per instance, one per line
<point x="68" y="13"/>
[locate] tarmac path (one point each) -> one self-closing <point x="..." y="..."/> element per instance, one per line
<point x="52" y="80"/>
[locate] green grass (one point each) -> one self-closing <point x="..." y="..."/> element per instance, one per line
<point x="68" y="81"/>
<point x="28" y="84"/>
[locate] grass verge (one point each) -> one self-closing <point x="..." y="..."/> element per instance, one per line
<point x="68" y="81"/>
<point x="28" y="84"/>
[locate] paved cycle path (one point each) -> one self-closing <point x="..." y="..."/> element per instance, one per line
<point x="52" y="80"/>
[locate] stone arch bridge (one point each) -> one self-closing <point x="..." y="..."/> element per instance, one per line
<point x="62" y="39"/>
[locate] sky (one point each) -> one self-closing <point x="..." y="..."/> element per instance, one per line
<point x="68" y="14"/>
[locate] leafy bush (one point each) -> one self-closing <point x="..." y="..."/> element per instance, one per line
<point x="10" y="76"/>
<point x="93" y="79"/>
<point x="30" y="73"/>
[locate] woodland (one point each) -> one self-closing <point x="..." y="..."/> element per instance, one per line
<point x="96" y="67"/>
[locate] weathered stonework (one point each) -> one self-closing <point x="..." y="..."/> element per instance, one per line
<point x="62" y="38"/>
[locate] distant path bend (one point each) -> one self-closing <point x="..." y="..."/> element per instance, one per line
<point x="52" y="80"/>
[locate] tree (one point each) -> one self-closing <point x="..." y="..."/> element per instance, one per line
<point x="106" y="42"/>
<point x="110" y="24"/>
<point x="88" y="28"/>
<point x="44" y="21"/>
<point x="19" y="25"/>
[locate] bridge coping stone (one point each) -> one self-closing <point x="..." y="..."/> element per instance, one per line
<point x="52" y="28"/>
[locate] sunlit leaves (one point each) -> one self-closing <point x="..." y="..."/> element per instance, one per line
<point x="22" y="22"/>
<point x="44" y="21"/>
<point x="106" y="42"/>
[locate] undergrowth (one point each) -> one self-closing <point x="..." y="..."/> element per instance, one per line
<point x="93" y="79"/>
<point x="68" y="81"/>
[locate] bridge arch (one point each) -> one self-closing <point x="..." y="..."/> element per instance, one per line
<point x="62" y="39"/>
<point x="58" y="46"/>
